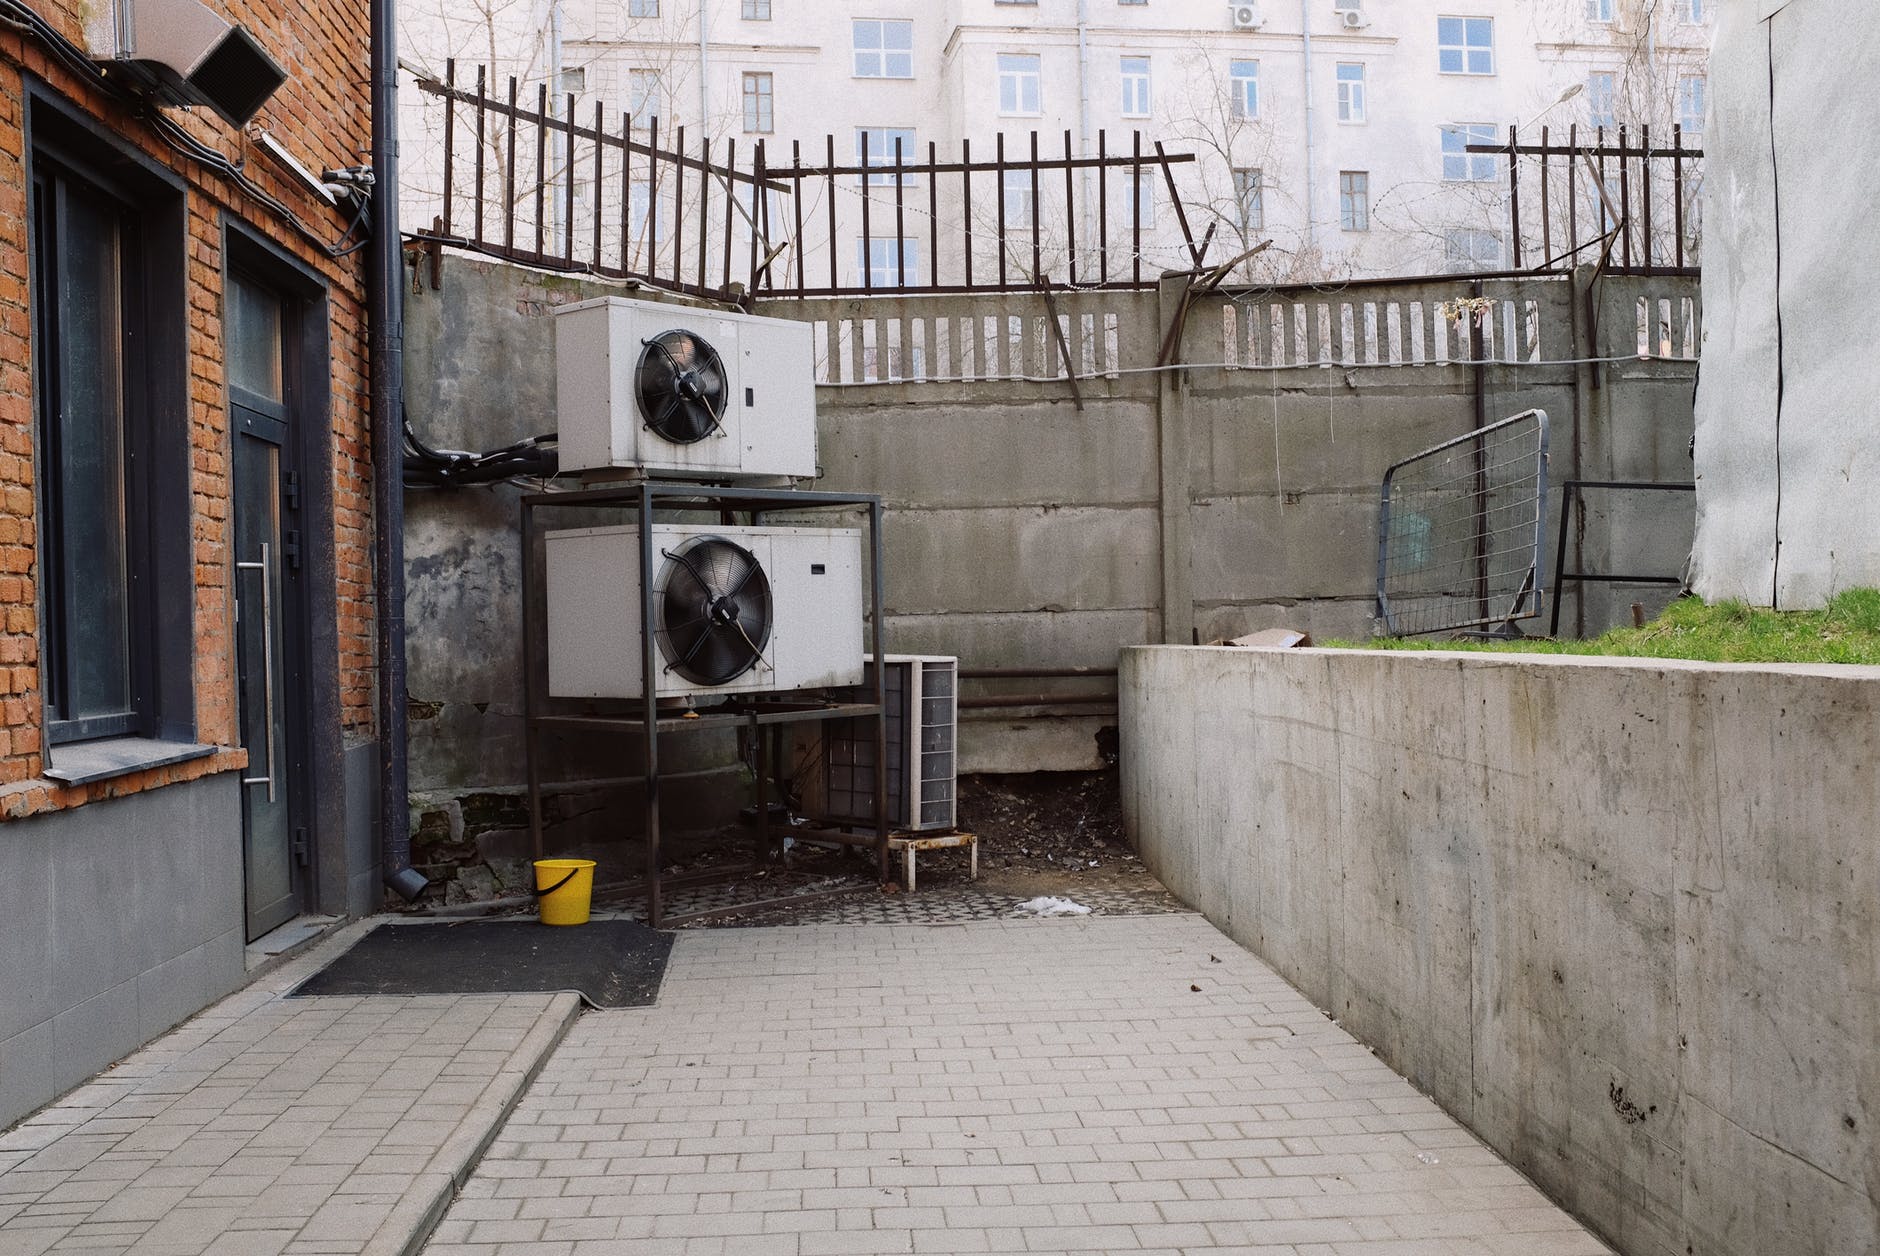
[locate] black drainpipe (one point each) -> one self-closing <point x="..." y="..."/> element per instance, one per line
<point x="385" y="315"/>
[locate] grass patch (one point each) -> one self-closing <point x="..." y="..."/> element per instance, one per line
<point x="1846" y="631"/>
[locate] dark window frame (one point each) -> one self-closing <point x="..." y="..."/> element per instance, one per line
<point x="64" y="142"/>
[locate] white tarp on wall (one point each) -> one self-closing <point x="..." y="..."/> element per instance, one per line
<point x="1788" y="466"/>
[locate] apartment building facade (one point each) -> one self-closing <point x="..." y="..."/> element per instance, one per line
<point x="1338" y="129"/>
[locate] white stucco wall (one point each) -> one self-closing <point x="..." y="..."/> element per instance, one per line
<point x="1790" y="380"/>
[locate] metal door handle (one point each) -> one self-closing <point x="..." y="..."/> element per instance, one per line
<point x="267" y="662"/>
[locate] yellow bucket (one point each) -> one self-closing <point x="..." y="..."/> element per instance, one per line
<point x="564" y="887"/>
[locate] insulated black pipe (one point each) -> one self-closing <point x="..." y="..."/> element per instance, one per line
<point x="385" y="318"/>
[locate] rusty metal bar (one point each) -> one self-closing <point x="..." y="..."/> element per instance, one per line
<point x="567" y="172"/>
<point x="933" y="217"/>
<point x="626" y="196"/>
<point x="796" y="209"/>
<point x="541" y="161"/>
<point x="600" y="185"/>
<point x="1514" y="197"/>
<point x="480" y="143"/>
<point x="900" y="218"/>
<point x="509" y="174"/>
<point x="652" y="204"/>
<point x="867" y="259"/>
<point x="1645" y="192"/>
<point x="999" y="192"/>
<point x="760" y="221"/>
<point x="1037" y="246"/>
<point x="1070" y="213"/>
<point x="1103" y="215"/>
<point x="731" y="211"/>
<point x="704" y="213"/>
<point x="966" y="203"/>
<point x="678" y="210"/>
<point x="450" y="138"/>
<point x="1547" y="229"/>
<point x="1135" y="207"/>
<point x="1175" y="199"/>
<point x="831" y="199"/>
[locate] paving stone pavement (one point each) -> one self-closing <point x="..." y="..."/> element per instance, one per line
<point x="269" y="1125"/>
<point x="1105" y="1084"/>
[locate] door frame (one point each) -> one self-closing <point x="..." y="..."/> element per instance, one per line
<point x="307" y="387"/>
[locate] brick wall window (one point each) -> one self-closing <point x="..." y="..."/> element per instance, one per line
<point x="116" y="580"/>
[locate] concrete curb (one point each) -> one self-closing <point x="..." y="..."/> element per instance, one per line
<point x="423" y="1204"/>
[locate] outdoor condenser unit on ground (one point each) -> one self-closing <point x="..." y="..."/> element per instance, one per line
<point x="186" y="52"/>
<point x="923" y="731"/>
<point x="735" y="610"/>
<point x="674" y="390"/>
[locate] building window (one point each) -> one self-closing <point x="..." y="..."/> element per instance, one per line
<point x="883" y="265"/>
<point x="1132" y="1"/>
<point x="876" y="146"/>
<point x="113" y="561"/>
<point x="756" y="11"/>
<point x="1600" y="100"/>
<point x="645" y="95"/>
<point x="883" y="49"/>
<point x="1018" y="198"/>
<point x="1691" y="103"/>
<point x="1459" y="164"/>
<point x="1465" y="45"/>
<point x="1350" y="93"/>
<point x="1135" y="87"/>
<point x="1250" y="199"/>
<point x="1243" y="89"/>
<point x="1018" y="85"/>
<point x="1466" y="250"/>
<point x="1694" y="11"/>
<point x="1143" y="188"/>
<point x="1599" y="10"/>
<point x="1354" y="200"/>
<point x="642" y="8"/>
<point x="758" y="116"/>
<point x="1033" y="3"/>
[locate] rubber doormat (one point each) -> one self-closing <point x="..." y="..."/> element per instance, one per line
<point x="610" y="963"/>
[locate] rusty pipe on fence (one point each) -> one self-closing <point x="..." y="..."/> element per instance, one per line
<point x="1000" y="701"/>
<point x="1034" y="673"/>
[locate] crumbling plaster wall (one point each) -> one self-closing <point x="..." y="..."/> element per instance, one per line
<point x="1790" y="394"/>
<point x="1617" y="917"/>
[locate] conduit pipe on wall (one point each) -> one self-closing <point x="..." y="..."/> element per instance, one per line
<point x="386" y="346"/>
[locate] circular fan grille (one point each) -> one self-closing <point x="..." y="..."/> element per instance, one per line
<point x="681" y="382"/>
<point x="713" y="601"/>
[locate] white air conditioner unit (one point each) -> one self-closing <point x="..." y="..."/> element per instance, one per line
<point x="836" y="772"/>
<point x="186" y="53"/>
<point x="1246" y="17"/>
<point x="674" y="390"/>
<point x="735" y="610"/>
<point x="1354" y="19"/>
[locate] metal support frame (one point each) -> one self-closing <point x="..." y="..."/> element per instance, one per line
<point x="1570" y="491"/>
<point x="756" y="713"/>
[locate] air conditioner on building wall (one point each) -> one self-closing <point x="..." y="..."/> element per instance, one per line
<point x="1246" y="17"/>
<point x="836" y="759"/>
<point x="186" y="53"/>
<point x="736" y="609"/>
<point x="673" y="390"/>
<point x="1354" y="19"/>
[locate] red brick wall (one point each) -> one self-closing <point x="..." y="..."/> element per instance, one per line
<point x="322" y="115"/>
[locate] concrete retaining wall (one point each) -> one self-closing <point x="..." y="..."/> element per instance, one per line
<point x="1620" y="918"/>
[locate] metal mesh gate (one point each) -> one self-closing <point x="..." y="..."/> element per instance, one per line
<point x="1460" y="531"/>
